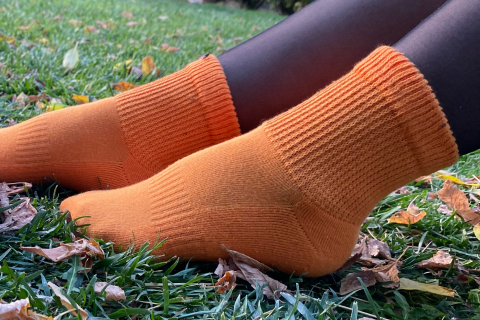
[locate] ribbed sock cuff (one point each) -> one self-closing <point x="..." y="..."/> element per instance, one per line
<point x="372" y="131"/>
<point x="177" y="115"/>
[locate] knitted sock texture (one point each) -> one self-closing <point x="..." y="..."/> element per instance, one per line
<point x="294" y="192"/>
<point x="125" y="139"/>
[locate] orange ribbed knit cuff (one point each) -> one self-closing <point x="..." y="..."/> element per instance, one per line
<point x="179" y="114"/>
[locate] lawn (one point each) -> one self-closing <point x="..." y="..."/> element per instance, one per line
<point x="111" y="37"/>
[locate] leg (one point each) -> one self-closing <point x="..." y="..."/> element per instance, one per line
<point x="289" y="62"/>
<point x="446" y="49"/>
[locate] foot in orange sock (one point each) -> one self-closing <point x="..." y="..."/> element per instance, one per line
<point x="125" y="139"/>
<point x="294" y="192"/>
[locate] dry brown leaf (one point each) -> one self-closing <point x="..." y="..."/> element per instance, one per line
<point x="18" y="310"/>
<point x="22" y="214"/>
<point x="131" y="24"/>
<point x="410" y="216"/>
<point x="101" y="24"/>
<point x="123" y="86"/>
<point x="455" y="199"/>
<point x="402" y="190"/>
<point x="91" y="29"/>
<point x="81" y="247"/>
<point x="431" y="195"/>
<point x="73" y="310"/>
<point x="221" y="268"/>
<point x="407" y="284"/>
<point x="225" y="283"/>
<point x="387" y="273"/>
<point x="248" y="269"/>
<point x="378" y="248"/>
<point x="240" y="257"/>
<point x="147" y="65"/>
<point x="440" y="260"/>
<point x="444" y="209"/>
<point x="113" y="293"/>
<point x="80" y="99"/>
<point x="167" y="48"/>
<point x="350" y="282"/>
<point x="127" y="14"/>
<point x="75" y="23"/>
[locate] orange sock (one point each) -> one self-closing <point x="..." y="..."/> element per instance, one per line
<point x="125" y="139"/>
<point x="294" y="192"/>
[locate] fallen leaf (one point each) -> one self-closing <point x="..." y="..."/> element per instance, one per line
<point x="410" y="216"/>
<point x="350" y="282"/>
<point x="17" y="217"/>
<point x="54" y="104"/>
<point x="131" y="24"/>
<point x="457" y="200"/>
<point x="402" y="190"/>
<point x="81" y="247"/>
<point x="444" y="209"/>
<point x="24" y="28"/>
<point x="447" y="176"/>
<point x="80" y="99"/>
<point x="407" y="284"/>
<point x="147" y="65"/>
<point x="167" y="48"/>
<point x="101" y="24"/>
<point x="386" y="273"/>
<point x="221" y="268"/>
<point x="66" y="303"/>
<point x="18" y="310"/>
<point x="58" y="18"/>
<point x="225" y="283"/>
<point x="163" y="18"/>
<point x="75" y="23"/>
<point x="431" y="195"/>
<point x="7" y="38"/>
<point x="240" y="257"/>
<point x="441" y="259"/>
<point x="43" y="40"/>
<point x="248" y="269"/>
<point x="476" y="230"/>
<point x="71" y="58"/>
<point x="127" y="14"/>
<point x="91" y="29"/>
<point x="123" y="86"/>
<point x="113" y="293"/>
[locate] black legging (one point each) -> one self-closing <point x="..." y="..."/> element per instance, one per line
<point x="287" y="63"/>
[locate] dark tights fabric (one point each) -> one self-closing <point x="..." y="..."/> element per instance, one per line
<point x="446" y="49"/>
<point x="289" y="62"/>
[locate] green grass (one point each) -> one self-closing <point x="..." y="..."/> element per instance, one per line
<point x="183" y="290"/>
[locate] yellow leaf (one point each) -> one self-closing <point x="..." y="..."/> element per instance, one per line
<point x="53" y="105"/>
<point x="43" y="40"/>
<point x="7" y="38"/>
<point x="407" y="284"/>
<point x="147" y="65"/>
<point x="476" y="230"/>
<point x="442" y="176"/>
<point x="80" y="99"/>
<point x="120" y="65"/>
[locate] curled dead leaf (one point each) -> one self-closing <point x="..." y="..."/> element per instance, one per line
<point x="123" y="86"/>
<point x="410" y="216"/>
<point x="90" y="29"/>
<point x="113" y="293"/>
<point x="81" y="247"/>
<point x="455" y="199"/>
<point x="131" y="24"/>
<point x="249" y="269"/>
<point x="66" y="303"/>
<point x="225" y="283"/>
<point x="19" y="215"/>
<point x="407" y="284"/>
<point x="350" y="282"/>
<point x="167" y="48"/>
<point x="18" y="310"/>
<point x="127" y="14"/>
<point x="440" y="260"/>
